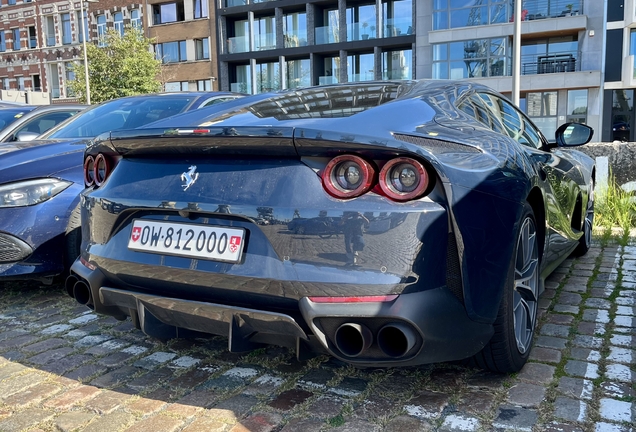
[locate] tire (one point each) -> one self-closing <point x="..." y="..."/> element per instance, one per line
<point x="509" y="348"/>
<point x="586" y="239"/>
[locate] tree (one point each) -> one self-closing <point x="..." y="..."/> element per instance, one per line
<point x="124" y="66"/>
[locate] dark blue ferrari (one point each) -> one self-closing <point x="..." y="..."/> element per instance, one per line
<point x="40" y="181"/>
<point x="447" y="209"/>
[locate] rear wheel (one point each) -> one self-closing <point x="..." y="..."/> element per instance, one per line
<point x="586" y="239"/>
<point x="509" y="348"/>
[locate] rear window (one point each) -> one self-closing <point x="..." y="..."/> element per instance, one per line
<point x="120" y="114"/>
<point x="9" y="115"/>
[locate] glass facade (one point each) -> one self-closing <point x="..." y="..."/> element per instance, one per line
<point x="541" y="107"/>
<point x="295" y="29"/>
<point x="361" y="20"/>
<point x="265" y="33"/>
<point x="397" y="64"/>
<point x="267" y="77"/>
<point x="577" y="106"/>
<point x="557" y="54"/>
<point x="448" y="14"/>
<point x="398" y="17"/>
<point x="242" y="79"/>
<point x="360" y="67"/>
<point x="298" y="73"/>
<point x="471" y="59"/>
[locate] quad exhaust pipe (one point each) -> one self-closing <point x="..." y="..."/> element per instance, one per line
<point x="353" y="339"/>
<point x="69" y="283"/>
<point x="396" y="339"/>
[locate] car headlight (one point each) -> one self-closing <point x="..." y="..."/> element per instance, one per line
<point x="30" y="192"/>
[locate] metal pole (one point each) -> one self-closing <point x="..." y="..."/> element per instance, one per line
<point x="88" y="88"/>
<point x="516" y="54"/>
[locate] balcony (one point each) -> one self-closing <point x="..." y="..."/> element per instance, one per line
<point x="541" y="9"/>
<point x="295" y="38"/>
<point x="327" y="35"/>
<point x="398" y="27"/>
<point x="265" y="41"/>
<point x="239" y="44"/>
<point x="360" y="31"/>
<point x="551" y="63"/>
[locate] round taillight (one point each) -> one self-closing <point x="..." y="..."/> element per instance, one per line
<point x="403" y="179"/>
<point x="89" y="171"/>
<point x="348" y="176"/>
<point x="101" y="169"/>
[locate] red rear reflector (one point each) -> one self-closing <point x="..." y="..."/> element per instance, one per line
<point x="87" y="264"/>
<point x="361" y="299"/>
<point x="199" y="131"/>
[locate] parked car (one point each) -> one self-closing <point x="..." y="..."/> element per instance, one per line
<point x="30" y="125"/>
<point x="40" y="181"/>
<point x="11" y="114"/>
<point x="480" y="209"/>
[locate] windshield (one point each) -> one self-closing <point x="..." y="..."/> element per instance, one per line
<point x="9" y="115"/>
<point x="119" y="114"/>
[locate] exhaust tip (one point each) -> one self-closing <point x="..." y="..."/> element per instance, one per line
<point x="353" y="339"/>
<point x="396" y="340"/>
<point x="82" y="293"/>
<point x="69" y="284"/>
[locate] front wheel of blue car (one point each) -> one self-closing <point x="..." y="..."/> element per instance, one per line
<point x="509" y="348"/>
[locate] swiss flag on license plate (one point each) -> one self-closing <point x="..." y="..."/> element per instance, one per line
<point x="235" y="242"/>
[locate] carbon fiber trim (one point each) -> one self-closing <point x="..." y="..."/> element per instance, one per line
<point x="453" y="269"/>
<point x="436" y="146"/>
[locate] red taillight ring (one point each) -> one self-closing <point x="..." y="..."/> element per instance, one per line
<point x="101" y="169"/>
<point x="89" y="171"/>
<point x="331" y="181"/>
<point x="387" y="183"/>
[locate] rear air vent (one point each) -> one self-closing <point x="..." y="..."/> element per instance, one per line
<point x="436" y="146"/>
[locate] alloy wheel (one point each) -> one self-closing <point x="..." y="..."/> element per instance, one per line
<point x="526" y="285"/>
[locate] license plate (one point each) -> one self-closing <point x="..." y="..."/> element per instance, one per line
<point x="188" y="240"/>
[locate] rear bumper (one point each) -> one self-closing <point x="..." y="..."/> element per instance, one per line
<point x="435" y="321"/>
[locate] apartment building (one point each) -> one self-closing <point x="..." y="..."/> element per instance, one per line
<point x="265" y="45"/>
<point x="620" y="72"/>
<point x="182" y="32"/>
<point x="42" y="40"/>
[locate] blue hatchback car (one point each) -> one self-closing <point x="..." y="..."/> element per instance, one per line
<point x="40" y="181"/>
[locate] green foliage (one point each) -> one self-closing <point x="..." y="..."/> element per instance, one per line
<point x="123" y="67"/>
<point x="615" y="208"/>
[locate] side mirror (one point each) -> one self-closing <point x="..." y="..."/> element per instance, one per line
<point x="573" y="134"/>
<point x="27" y="136"/>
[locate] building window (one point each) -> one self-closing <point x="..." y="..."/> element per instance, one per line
<point x="70" y="76"/>
<point x="200" y="9"/>
<point x="330" y="71"/>
<point x="329" y="30"/>
<point x="577" y="106"/>
<point x="3" y="43"/>
<point x="171" y="52"/>
<point x="36" y="85"/>
<point x="360" y="67"/>
<point x="241" y="79"/>
<point x="295" y="29"/>
<point x="471" y="59"/>
<point x="240" y="41"/>
<point x="264" y="33"/>
<point x="20" y="81"/>
<point x="33" y="39"/>
<point x="167" y="13"/>
<point x="541" y="107"/>
<point x="398" y="17"/>
<point x="118" y="22"/>
<point x="557" y="54"/>
<point x="5" y="83"/>
<point x="177" y="86"/>
<point x="50" y="30"/>
<point x="16" y="39"/>
<point x="361" y="22"/>
<point x="267" y="77"/>
<point x="298" y="73"/>
<point x="202" y="47"/>
<point x="54" y="82"/>
<point x="67" y="36"/>
<point x="397" y="64"/>
<point x="11" y="2"/>
<point x="101" y="30"/>
<point x="82" y="37"/>
<point x="453" y="13"/>
<point x="204" y="85"/>
<point x="135" y="19"/>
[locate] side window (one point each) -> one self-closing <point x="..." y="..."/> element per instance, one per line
<point x="519" y="126"/>
<point x="487" y="111"/>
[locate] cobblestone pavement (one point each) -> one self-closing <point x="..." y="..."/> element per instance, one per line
<point x="64" y="368"/>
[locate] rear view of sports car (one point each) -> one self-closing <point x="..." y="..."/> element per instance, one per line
<point x="446" y="207"/>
